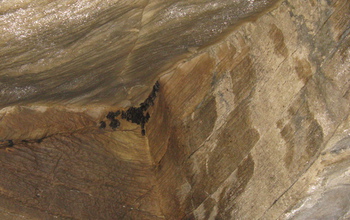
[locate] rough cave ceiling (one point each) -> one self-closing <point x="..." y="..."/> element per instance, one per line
<point x="107" y="52"/>
<point x="250" y="119"/>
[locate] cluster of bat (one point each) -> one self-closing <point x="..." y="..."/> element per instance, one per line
<point x="11" y="143"/>
<point x="138" y="115"/>
<point x="112" y="117"/>
<point x="6" y="143"/>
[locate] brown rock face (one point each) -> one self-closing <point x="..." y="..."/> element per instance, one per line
<point x="250" y="121"/>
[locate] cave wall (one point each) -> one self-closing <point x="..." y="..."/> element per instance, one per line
<point x="62" y="165"/>
<point x="106" y="52"/>
<point x="251" y="121"/>
<point x="251" y="124"/>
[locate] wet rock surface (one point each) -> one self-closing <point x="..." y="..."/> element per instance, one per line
<point x="250" y="123"/>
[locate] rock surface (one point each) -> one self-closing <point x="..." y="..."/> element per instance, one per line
<point x="251" y="120"/>
<point x="105" y="52"/>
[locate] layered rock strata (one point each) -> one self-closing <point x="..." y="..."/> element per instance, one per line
<point x="255" y="126"/>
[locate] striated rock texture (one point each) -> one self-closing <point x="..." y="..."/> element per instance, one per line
<point x="105" y="52"/>
<point x="251" y="120"/>
<point x="257" y="126"/>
